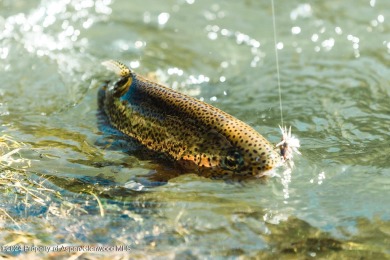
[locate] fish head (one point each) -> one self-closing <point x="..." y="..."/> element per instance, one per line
<point x="243" y="154"/>
<point x="250" y="153"/>
<point x="250" y="161"/>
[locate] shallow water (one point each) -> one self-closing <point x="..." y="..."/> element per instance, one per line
<point x="335" y="90"/>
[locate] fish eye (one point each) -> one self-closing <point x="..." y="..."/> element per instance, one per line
<point x="233" y="160"/>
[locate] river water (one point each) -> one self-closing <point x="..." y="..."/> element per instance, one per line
<point x="65" y="185"/>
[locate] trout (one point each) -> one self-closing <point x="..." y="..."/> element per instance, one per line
<point x="195" y="135"/>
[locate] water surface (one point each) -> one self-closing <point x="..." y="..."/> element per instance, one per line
<point x="334" y="70"/>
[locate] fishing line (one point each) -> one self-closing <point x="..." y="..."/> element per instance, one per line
<point x="277" y="61"/>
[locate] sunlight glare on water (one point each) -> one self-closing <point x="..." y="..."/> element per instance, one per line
<point x="335" y="90"/>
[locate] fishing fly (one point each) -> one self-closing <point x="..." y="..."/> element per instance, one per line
<point x="289" y="143"/>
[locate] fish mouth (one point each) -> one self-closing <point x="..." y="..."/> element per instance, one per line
<point x="263" y="172"/>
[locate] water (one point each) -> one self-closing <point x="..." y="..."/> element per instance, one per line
<point x="335" y="92"/>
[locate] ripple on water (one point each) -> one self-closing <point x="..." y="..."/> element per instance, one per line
<point x="334" y="78"/>
<point x="50" y="38"/>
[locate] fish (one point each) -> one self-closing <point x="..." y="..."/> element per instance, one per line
<point x="195" y="135"/>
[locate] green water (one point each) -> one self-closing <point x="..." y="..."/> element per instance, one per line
<point x="334" y="61"/>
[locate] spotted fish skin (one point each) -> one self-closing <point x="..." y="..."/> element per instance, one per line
<point x="196" y="135"/>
